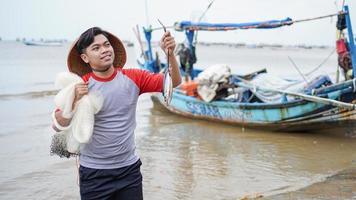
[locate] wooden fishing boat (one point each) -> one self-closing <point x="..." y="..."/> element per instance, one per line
<point x="298" y="115"/>
<point x="327" y="107"/>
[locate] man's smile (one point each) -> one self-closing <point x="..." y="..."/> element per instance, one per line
<point x="106" y="57"/>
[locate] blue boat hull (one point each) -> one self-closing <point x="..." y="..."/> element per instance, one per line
<point x="298" y="115"/>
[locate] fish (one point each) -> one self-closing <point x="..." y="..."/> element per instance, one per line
<point x="167" y="87"/>
<point x="167" y="81"/>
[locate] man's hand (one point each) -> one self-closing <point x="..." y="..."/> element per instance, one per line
<point x="80" y="90"/>
<point x="168" y="43"/>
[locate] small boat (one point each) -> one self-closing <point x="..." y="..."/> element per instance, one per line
<point x="324" y="106"/>
<point x="45" y="43"/>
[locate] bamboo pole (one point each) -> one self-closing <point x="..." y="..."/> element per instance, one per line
<point x="348" y="106"/>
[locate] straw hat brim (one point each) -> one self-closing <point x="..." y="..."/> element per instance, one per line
<point x="79" y="67"/>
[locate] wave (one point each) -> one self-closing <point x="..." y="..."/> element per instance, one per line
<point x="43" y="83"/>
<point x="30" y="95"/>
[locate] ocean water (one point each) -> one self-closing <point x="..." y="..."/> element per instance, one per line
<point x="182" y="158"/>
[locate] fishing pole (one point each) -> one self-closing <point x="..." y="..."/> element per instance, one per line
<point x="199" y="20"/>
<point x="165" y="30"/>
<point x="137" y="34"/>
<point x="312" y="98"/>
<point x="206" y="10"/>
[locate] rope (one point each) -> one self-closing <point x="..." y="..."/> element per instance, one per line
<point x="159" y="28"/>
<point x="317" y="18"/>
<point x="296" y="67"/>
<point x="322" y="63"/>
<point x="77" y="166"/>
<point x="256" y="26"/>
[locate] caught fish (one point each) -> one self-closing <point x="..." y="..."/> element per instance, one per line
<point x="167" y="81"/>
<point x="167" y="87"/>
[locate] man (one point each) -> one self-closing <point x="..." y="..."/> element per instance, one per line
<point x="187" y="59"/>
<point x="109" y="167"/>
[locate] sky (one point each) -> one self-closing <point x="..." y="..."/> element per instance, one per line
<point x="67" y="19"/>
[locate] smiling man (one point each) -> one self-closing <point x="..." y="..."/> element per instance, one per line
<point x="109" y="166"/>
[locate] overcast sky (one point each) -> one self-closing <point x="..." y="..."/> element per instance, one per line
<point x="57" y="19"/>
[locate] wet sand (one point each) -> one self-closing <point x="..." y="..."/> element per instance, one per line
<point x="342" y="185"/>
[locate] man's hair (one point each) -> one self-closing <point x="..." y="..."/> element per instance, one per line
<point x="87" y="38"/>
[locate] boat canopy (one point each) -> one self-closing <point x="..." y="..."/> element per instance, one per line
<point x="204" y="26"/>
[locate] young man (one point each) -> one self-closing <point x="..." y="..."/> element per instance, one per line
<point x="109" y="167"/>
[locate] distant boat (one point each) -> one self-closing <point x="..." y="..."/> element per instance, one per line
<point x="39" y="43"/>
<point x="129" y="44"/>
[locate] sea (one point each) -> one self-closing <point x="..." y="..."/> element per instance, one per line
<point x="183" y="158"/>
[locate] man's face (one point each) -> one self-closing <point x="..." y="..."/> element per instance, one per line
<point x="100" y="54"/>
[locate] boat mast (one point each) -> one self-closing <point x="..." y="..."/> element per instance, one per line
<point x="150" y="64"/>
<point x="146" y="12"/>
<point x="190" y="37"/>
<point x="351" y="40"/>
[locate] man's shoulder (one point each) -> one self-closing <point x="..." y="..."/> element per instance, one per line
<point x="135" y="73"/>
<point x="132" y="71"/>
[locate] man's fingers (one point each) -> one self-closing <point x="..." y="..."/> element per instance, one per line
<point x="166" y="36"/>
<point x="170" y="43"/>
<point x="81" y="85"/>
<point x="170" y="47"/>
<point x="167" y="33"/>
<point x="168" y="39"/>
<point x="167" y="42"/>
<point x="82" y="90"/>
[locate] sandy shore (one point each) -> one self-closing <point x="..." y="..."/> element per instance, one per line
<point x="339" y="186"/>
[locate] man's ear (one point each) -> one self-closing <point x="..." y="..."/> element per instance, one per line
<point x="84" y="58"/>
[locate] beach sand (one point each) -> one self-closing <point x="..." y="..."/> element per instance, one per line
<point x="342" y="185"/>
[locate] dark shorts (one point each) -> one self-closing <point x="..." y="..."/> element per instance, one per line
<point x="122" y="183"/>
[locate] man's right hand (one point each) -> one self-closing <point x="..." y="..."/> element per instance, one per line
<point x="80" y="90"/>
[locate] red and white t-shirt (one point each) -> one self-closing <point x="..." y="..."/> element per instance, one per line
<point x="112" y="144"/>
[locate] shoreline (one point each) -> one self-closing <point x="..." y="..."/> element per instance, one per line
<point x="341" y="185"/>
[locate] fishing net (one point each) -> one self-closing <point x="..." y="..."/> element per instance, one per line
<point x="59" y="146"/>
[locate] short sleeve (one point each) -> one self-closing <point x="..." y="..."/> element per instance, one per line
<point x="145" y="80"/>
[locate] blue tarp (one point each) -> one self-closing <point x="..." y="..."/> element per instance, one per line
<point x="188" y="25"/>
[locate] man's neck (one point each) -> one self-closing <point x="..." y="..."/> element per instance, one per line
<point x="105" y="74"/>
